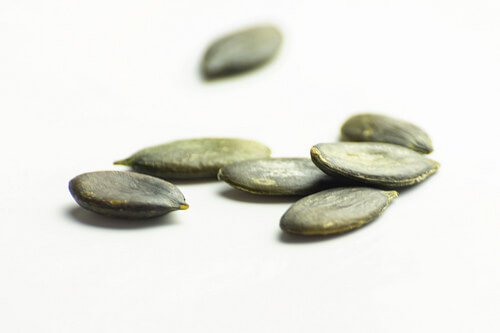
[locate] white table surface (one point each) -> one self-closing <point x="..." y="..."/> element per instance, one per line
<point x="83" y="83"/>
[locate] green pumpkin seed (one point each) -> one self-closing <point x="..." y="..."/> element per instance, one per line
<point x="382" y="164"/>
<point x="335" y="211"/>
<point x="194" y="158"/>
<point x="126" y="194"/>
<point x="278" y="176"/>
<point x="241" y="51"/>
<point x="378" y="128"/>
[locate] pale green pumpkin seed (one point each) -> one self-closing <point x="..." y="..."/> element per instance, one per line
<point x="382" y="164"/>
<point x="126" y="194"/>
<point x="335" y="211"/>
<point x="241" y="51"/>
<point x="278" y="176"/>
<point x="194" y="158"/>
<point x="371" y="127"/>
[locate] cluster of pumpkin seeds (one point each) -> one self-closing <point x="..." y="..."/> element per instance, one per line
<point x="343" y="185"/>
<point x="346" y="184"/>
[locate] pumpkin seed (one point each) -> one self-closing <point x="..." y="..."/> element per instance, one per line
<point x="379" y="128"/>
<point x="241" y="51"/>
<point x="336" y="211"/>
<point x="194" y="158"/>
<point x="278" y="176"/>
<point x="382" y="164"/>
<point x="126" y="194"/>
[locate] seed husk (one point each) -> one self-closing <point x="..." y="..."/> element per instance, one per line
<point x="241" y="51"/>
<point x="127" y="195"/>
<point x="370" y="127"/>
<point x="278" y="176"/>
<point x="381" y="164"/>
<point x="335" y="211"/>
<point x="194" y="158"/>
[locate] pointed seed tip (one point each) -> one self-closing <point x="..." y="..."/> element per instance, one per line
<point x="437" y="165"/>
<point x="125" y="162"/>
<point x="392" y="194"/>
<point x="183" y="206"/>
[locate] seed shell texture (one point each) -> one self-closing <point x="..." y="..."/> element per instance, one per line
<point x="335" y="211"/>
<point x="371" y="127"/>
<point x="375" y="163"/>
<point x="194" y="158"/>
<point x="126" y="194"/>
<point x="241" y="51"/>
<point x="278" y="176"/>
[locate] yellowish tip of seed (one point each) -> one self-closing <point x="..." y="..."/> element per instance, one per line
<point x="184" y="207"/>
<point x="392" y="194"/>
<point x="122" y="162"/>
<point x="315" y="151"/>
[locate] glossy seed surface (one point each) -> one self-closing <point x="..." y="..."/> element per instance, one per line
<point x="126" y="194"/>
<point x="241" y="51"/>
<point x="278" y="176"/>
<point x="194" y="158"/>
<point x="370" y="127"/>
<point x="381" y="164"/>
<point x="335" y="211"/>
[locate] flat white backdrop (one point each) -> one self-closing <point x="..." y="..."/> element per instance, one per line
<point x="84" y="83"/>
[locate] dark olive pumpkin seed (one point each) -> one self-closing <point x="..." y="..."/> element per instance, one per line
<point x="378" y="128"/>
<point x="278" y="176"/>
<point x="194" y="158"/>
<point x="241" y="51"/>
<point x="335" y="211"/>
<point x="381" y="164"/>
<point x="126" y="194"/>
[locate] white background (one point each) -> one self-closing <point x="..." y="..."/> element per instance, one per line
<point x="84" y="83"/>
